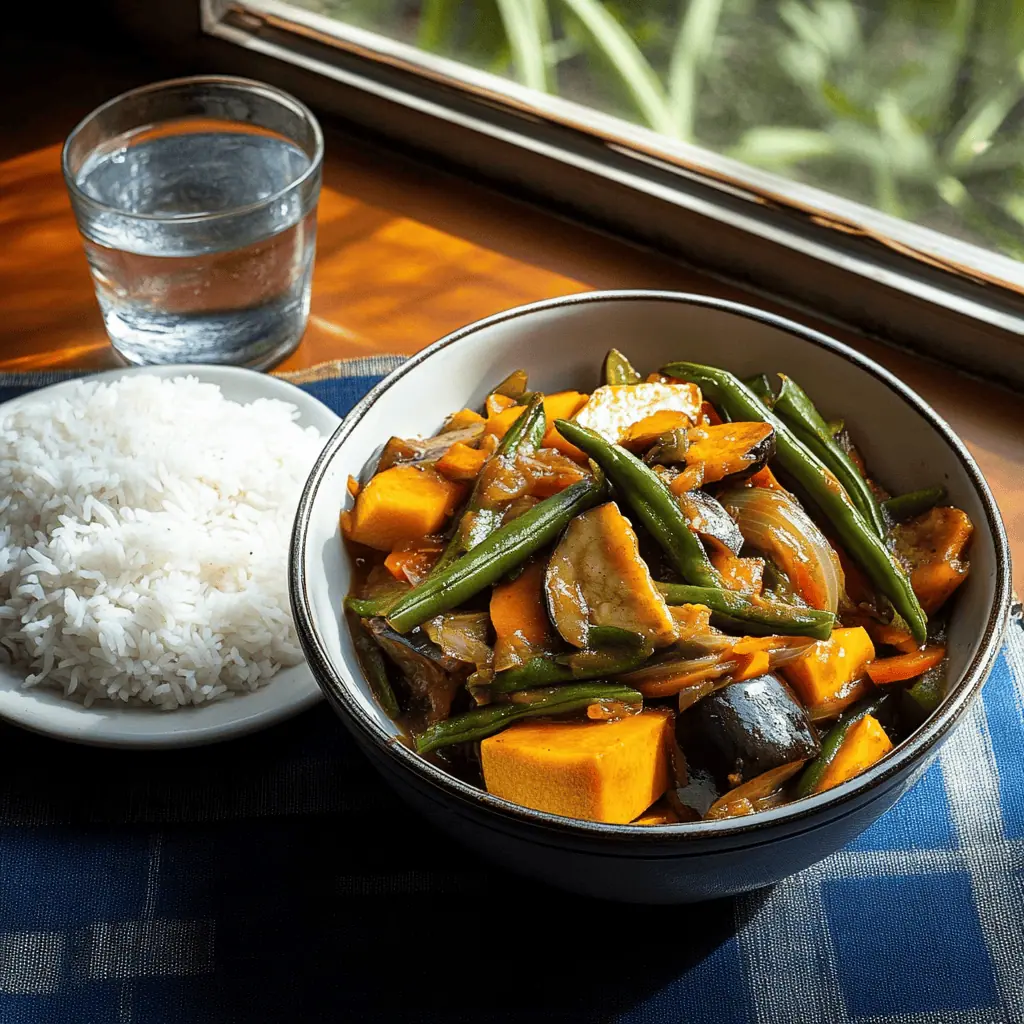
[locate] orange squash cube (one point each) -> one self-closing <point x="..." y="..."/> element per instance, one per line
<point x="598" y="771"/>
<point x="400" y="505"/>
<point x="827" y="673"/>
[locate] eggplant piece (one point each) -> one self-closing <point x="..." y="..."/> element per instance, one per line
<point x="409" y="451"/>
<point x="708" y="519"/>
<point x="669" y="449"/>
<point x="746" y="729"/>
<point x="735" y="450"/>
<point x="596" y="577"/>
<point x="432" y="677"/>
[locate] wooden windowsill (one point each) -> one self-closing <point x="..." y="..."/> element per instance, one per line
<point x="406" y="254"/>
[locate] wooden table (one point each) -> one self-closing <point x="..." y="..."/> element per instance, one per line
<point x="406" y="254"/>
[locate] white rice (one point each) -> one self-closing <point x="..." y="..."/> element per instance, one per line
<point x="144" y="529"/>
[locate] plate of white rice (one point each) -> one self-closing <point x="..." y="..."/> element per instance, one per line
<point x="145" y="519"/>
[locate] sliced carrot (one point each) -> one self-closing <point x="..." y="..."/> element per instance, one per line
<point x="858" y="588"/>
<point x="905" y="666"/>
<point x="892" y="636"/>
<point x="742" y="574"/>
<point x="411" y="562"/>
<point x="710" y="414"/>
<point x="690" y="479"/>
<point x="764" y="477"/>
<point x="519" y="618"/>
<point x="461" y="462"/>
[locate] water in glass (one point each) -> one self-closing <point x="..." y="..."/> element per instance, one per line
<point x="178" y="285"/>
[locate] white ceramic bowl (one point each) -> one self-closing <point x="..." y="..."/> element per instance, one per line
<point x="289" y="692"/>
<point x="561" y="343"/>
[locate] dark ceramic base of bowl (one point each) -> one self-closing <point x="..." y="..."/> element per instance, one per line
<point x="680" y="869"/>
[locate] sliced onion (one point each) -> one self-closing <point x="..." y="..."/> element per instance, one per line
<point x="773" y="523"/>
<point x="671" y="675"/>
<point x="666" y="678"/>
<point x="463" y="636"/>
<point x="754" y="795"/>
<point x="412" y="451"/>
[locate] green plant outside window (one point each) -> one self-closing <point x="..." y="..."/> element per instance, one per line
<point x="915" y="107"/>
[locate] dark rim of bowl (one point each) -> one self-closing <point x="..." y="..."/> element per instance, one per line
<point x="955" y="703"/>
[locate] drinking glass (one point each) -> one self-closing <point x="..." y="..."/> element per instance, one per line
<point x="196" y="200"/>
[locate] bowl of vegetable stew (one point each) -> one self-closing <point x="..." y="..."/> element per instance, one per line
<point x="652" y="596"/>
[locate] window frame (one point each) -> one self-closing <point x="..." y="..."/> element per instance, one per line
<point x="862" y="269"/>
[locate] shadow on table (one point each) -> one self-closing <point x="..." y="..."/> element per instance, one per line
<point x="312" y="920"/>
<point x="277" y="879"/>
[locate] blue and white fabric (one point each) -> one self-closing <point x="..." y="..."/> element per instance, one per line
<point x="274" y="879"/>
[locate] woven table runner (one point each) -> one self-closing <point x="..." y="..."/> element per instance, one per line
<point x="274" y="878"/>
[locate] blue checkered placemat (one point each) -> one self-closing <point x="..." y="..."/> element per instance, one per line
<point x="275" y="879"/>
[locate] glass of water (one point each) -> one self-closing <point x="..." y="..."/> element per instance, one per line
<point x="196" y="199"/>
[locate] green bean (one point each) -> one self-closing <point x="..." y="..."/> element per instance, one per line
<point x="797" y="411"/>
<point x="544" y="670"/>
<point x="736" y="613"/>
<point x="476" y="522"/>
<point x="618" y="369"/>
<point x="820" y="484"/>
<point x="509" y="546"/>
<point x="928" y="691"/>
<point x="367" y="607"/>
<point x="651" y="502"/>
<point x="614" y="636"/>
<point x="371" y="658"/>
<point x="483" y="722"/>
<point x="906" y="506"/>
<point x="762" y="387"/>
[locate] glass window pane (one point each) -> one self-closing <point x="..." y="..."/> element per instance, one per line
<point x="915" y="107"/>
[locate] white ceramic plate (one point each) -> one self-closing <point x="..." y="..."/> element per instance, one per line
<point x="288" y="693"/>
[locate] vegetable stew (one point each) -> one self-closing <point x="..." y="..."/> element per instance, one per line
<point x="677" y="597"/>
